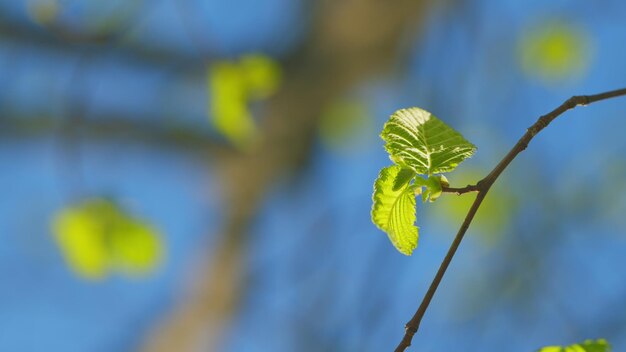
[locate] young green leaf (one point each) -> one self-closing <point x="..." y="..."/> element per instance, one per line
<point x="432" y="187"/>
<point x="394" y="209"/>
<point x="435" y="185"/>
<point x="418" y="140"/>
<point x="600" y="345"/>
<point x="403" y="177"/>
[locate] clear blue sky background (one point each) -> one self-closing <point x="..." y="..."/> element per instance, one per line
<point x="322" y="277"/>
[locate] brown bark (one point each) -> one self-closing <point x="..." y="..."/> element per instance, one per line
<point x="350" y="41"/>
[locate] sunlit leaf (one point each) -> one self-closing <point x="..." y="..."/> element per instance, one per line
<point x="434" y="188"/>
<point x="418" y="140"/>
<point x="402" y="178"/>
<point x="600" y="345"/>
<point x="554" y="51"/>
<point x="97" y="237"/>
<point x="394" y="210"/>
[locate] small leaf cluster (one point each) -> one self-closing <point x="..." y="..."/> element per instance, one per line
<point x="422" y="148"/>
<point x="600" y="345"/>
<point x="97" y="237"/>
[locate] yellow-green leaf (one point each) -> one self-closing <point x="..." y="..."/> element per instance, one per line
<point x="600" y="345"/>
<point x="393" y="211"/>
<point x="229" y="99"/>
<point x="97" y="237"/>
<point x="434" y="188"/>
<point x="344" y="125"/>
<point x="554" y="51"/>
<point x="261" y="74"/>
<point x="418" y="140"/>
<point x="232" y="87"/>
<point x="80" y="236"/>
<point x="403" y="177"/>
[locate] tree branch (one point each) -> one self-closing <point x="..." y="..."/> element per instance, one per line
<point x="122" y="128"/>
<point x="459" y="191"/>
<point x="482" y="187"/>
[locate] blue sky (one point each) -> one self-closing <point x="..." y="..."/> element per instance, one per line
<point x="321" y="277"/>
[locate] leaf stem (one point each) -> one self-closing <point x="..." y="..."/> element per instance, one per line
<point x="459" y="191"/>
<point x="482" y="187"/>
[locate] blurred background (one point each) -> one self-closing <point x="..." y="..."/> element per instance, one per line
<point x="187" y="175"/>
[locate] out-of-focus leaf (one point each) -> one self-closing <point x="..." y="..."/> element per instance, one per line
<point x="343" y="123"/>
<point x="42" y="12"/>
<point x="261" y="75"/>
<point x="134" y="247"/>
<point x="232" y="87"/>
<point x="229" y="103"/>
<point x="554" y="51"/>
<point x="418" y="140"/>
<point x="80" y="236"/>
<point x="394" y="210"/>
<point x="600" y="345"/>
<point x="97" y="237"/>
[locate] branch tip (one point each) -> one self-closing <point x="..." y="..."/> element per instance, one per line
<point x="482" y="187"/>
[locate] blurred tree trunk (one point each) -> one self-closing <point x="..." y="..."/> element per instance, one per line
<point x="350" y="41"/>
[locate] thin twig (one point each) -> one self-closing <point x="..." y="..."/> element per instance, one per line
<point x="482" y="187"/>
<point x="459" y="191"/>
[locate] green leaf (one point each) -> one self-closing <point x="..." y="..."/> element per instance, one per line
<point x="232" y="87"/>
<point x="600" y="345"/>
<point x="394" y="209"/>
<point x="418" y="140"/>
<point x="403" y="177"/>
<point x="97" y="237"/>
<point x="228" y="109"/>
<point x="262" y="76"/>
<point x="435" y="186"/>
<point x="554" y="51"/>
